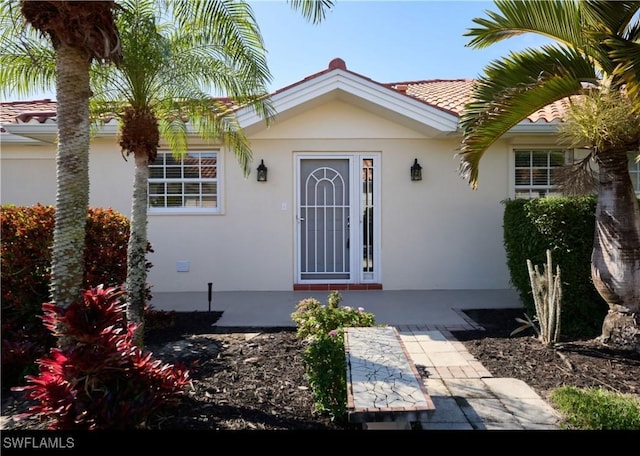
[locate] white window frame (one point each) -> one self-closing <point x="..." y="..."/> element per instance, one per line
<point x="634" y="171"/>
<point x="534" y="190"/>
<point x="187" y="209"/>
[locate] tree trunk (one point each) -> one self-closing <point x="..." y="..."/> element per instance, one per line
<point x="615" y="261"/>
<point x="72" y="175"/>
<point x="137" y="248"/>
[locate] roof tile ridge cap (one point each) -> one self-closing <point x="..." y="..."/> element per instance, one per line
<point x="429" y="81"/>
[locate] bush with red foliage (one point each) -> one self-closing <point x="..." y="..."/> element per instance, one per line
<point x="100" y="379"/>
<point x="27" y="237"/>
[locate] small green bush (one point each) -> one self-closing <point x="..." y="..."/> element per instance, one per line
<point x="565" y="226"/>
<point x="321" y="327"/>
<point x="596" y="409"/>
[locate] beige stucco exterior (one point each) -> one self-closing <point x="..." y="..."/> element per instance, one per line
<point x="437" y="233"/>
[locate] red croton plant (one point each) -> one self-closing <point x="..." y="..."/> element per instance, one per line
<point x="103" y="380"/>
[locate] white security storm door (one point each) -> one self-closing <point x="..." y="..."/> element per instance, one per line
<point x="336" y="234"/>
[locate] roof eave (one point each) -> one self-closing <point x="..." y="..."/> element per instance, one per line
<point x="359" y="90"/>
<point x="10" y="138"/>
<point x="40" y="132"/>
<point x="527" y="127"/>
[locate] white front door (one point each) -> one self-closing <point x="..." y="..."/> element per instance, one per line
<point x="337" y="235"/>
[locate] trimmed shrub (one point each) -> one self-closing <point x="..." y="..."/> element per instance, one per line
<point x="321" y="327"/>
<point x="564" y="225"/>
<point x="27" y="237"/>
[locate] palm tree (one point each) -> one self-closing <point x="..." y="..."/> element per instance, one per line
<point x="174" y="54"/>
<point x="79" y="32"/>
<point x="595" y="48"/>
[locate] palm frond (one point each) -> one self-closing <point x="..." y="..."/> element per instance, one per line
<point x="314" y="11"/>
<point x="555" y="19"/>
<point x="577" y="179"/>
<point x="228" y="22"/>
<point x="173" y="130"/>
<point x="170" y="65"/>
<point x="512" y="89"/>
<point x="626" y="55"/>
<point x="614" y="17"/>
<point x="27" y="60"/>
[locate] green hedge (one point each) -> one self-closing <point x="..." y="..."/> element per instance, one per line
<point x="27" y="238"/>
<point x="565" y="225"/>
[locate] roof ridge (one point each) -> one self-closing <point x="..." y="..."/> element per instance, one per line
<point x="427" y="81"/>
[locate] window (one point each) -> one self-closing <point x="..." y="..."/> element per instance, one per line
<point x="534" y="171"/>
<point x="634" y="171"/>
<point x="189" y="184"/>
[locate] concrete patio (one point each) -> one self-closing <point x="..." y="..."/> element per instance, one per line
<point x="434" y="308"/>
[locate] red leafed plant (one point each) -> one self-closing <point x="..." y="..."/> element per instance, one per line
<point x="102" y="380"/>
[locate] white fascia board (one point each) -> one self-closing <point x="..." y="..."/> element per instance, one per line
<point x="369" y="91"/>
<point x="42" y="132"/>
<point x="530" y="128"/>
<point x="107" y="130"/>
<point x="10" y="138"/>
<point x="48" y="132"/>
<point x="537" y="127"/>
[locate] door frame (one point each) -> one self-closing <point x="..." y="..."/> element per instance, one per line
<point x="358" y="275"/>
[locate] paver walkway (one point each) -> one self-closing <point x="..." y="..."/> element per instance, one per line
<point x="465" y="394"/>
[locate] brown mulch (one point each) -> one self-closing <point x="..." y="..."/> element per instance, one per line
<point x="580" y="363"/>
<point x="254" y="379"/>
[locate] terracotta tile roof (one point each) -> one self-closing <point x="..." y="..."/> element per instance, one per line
<point x="26" y="111"/>
<point x="449" y="95"/>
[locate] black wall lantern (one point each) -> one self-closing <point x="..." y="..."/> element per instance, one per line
<point x="262" y="172"/>
<point x="416" y="171"/>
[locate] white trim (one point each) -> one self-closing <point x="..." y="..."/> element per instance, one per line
<point x="355" y="231"/>
<point x="377" y="238"/>
<point x="569" y="153"/>
<point x="219" y="152"/>
<point x="10" y="138"/>
<point x="44" y="132"/>
<point x="359" y="90"/>
<point x="538" y="127"/>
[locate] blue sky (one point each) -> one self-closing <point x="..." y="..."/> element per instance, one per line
<point x="387" y="41"/>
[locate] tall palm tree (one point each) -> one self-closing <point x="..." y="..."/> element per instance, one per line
<point x="595" y="47"/>
<point x="174" y="54"/>
<point x="79" y="32"/>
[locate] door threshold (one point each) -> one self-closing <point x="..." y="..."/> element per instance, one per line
<point x="336" y="286"/>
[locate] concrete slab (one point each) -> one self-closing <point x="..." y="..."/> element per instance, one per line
<point x="391" y="307"/>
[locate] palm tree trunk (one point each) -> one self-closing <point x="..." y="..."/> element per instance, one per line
<point x="72" y="175"/>
<point x="137" y="248"/>
<point x="615" y="262"/>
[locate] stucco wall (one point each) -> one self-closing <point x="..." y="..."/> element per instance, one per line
<point x="435" y="234"/>
<point x="29" y="175"/>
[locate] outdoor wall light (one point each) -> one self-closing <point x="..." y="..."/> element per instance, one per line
<point x="262" y="172"/>
<point x="416" y="171"/>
